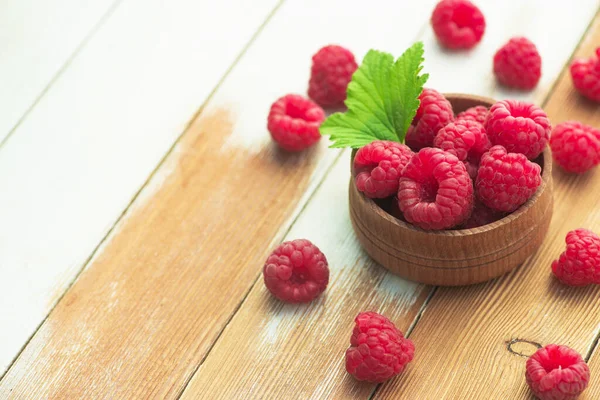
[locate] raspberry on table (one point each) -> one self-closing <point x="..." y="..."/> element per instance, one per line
<point x="477" y="114"/>
<point x="505" y="181"/>
<point x="482" y="216"/>
<point x="579" y="264"/>
<point x="557" y="372"/>
<point x="434" y="112"/>
<point x="435" y="190"/>
<point x="518" y="64"/>
<point x="518" y="126"/>
<point x="378" y="350"/>
<point x="294" y="122"/>
<point x="296" y="271"/>
<point x="378" y="166"/>
<point x="465" y="139"/>
<point x="332" y="69"/>
<point x="585" y="73"/>
<point x="575" y="146"/>
<point x="457" y="24"/>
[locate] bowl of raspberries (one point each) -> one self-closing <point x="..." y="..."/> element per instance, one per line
<point x="466" y="198"/>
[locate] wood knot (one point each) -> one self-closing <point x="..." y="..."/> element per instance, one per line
<point x="522" y="347"/>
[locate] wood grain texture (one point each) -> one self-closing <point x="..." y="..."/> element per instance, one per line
<point x="593" y="390"/>
<point x="467" y="338"/>
<point x="74" y="164"/>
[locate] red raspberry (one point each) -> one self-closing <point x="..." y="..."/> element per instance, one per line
<point x="467" y="140"/>
<point x="557" y="373"/>
<point x="575" y="146"/>
<point x="481" y="216"/>
<point x="378" y="350"/>
<point x="518" y="126"/>
<point x="433" y="113"/>
<point x="330" y="74"/>
<point x="378" y="166"/>
<point x="458" y="24"/>
<point x="506" y="180"/>
<point x="586" y="76"/>
<point x="518" y="64"/>
<point x="296" y="272"/>
<point x="579" y="265"/>
<point x="435" y="191"/>
<point x="294" y="122"/>
<point x="477" y="114"/>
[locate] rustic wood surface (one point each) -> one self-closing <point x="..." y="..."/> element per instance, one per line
<point x="171" y="303"/>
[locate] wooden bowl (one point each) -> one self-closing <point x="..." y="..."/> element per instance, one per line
<point x="454" y="257"/>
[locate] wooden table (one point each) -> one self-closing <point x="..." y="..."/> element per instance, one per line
<point x="141" y="194"/>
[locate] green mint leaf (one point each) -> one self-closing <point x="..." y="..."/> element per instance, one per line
<point x="382" y="100"/>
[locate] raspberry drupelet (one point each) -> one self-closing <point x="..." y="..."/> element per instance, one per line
<point x="477" y="114"/>
<point x="518" y="126"/>
<point x="378" y="167"/>
<point x="296" y="271"/>
<point x="332" y="69"/>
<point x="505" y="181"/>
<point x="378" y="350"/>
<point x="579" y="264"/>
<point x="465" y="139"/>
<point x="575" y="146"/>
<point x="557" y="373"/>
<point x="457" y="24"/>
<point x="435" y="191"/>
<point x="434" y="112"/>
<point x="294" y="122"/>
<point x="518" y="64"/>
<point x="585" y="73"/>
<point x="481" y="216"/>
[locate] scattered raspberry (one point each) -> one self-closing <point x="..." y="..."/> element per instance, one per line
<point x="506" y="180"/>
<point x="296" y="272"/>
<point x="586" y="76"/>
<point x="433" y="114"/>
<point x="294" y="122"/>
<point x="477" y="114"/>
<point x="331" y="71"/>
<point x="458" y="24"/>
<point x="467" y="140"/>
<point x="435" y="191"/>
<point x="557" y="373"/>
<point x="579" y="265"/>
<point x="518" y="126"/>
<point x="481" y="216"/>
<point x="518" y="64"/>
<point x="378" y="166"/>
<point x="575" y="146"/>
<point x="378" y="350"/>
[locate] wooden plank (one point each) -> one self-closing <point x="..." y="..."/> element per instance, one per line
<point x="593" y="390"/>
<point x="37" y="40"/>
<point x="76" y="161"/>
<point x="275" y="351"/>
<point x="464" y="338"/>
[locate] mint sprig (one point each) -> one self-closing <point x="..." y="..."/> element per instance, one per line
<point x="383" y="98"/>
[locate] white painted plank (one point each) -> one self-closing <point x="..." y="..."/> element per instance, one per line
<point x="37" y="38"/>
<point x="76" y="161"/>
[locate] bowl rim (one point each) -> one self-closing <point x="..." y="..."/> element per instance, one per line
<point x="546" y="181"/>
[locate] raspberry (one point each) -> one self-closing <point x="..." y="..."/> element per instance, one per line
<point x="575" y="146"/>
<point x="481" y="216"/>
<point x="518" y="64"/>
<point x="477" y="114"/>
<point x="458" y="24"/>
<point x="467" y="140"/>
<point x="432" y="115"/>
<point x="518" y="126"/>
<point x="294" y="122"/>
<point x="579" y="264"/>
<point x="331" y="71"/>
<point x="586" y="76"/>
<point x="557" y="373"/>
<point x="378" y="350"/>
<point x="378" y="167"/>
<point x="435" y="191"/>
<point x="506" y="180"/>
<point x="296" y="272"/>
